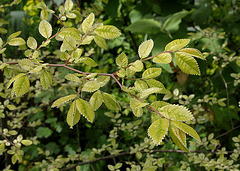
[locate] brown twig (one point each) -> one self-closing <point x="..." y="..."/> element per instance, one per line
<point x="7" y="139"/>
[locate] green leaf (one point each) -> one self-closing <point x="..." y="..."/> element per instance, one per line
<point x="13" y="79"/>
<point x="187" y="63"/>
<point x="13" y="35"/>
<point x="158" y="130"/>
<point x="121" y="73"/>
<point x="72" y="77"/>
<point x="76" y="54"/>
<point x="134" y="103"/>
<point x="26" y="142"/>
<point x="176" y="112"/>
<point x="151" y="73"/>
<point x="110" y="102"/>
<point x="164" y="58"/>
<point x="45" y="29"/>
<point x="44" y="15"/>
<point x="87" y="40"/>
<point x="96" y="100"/>
<point x="2" y="50"/>
<point x="155" y="83"/>
<point x="88" y="61"/>
<point x="187" y="129"/>
<point x="68" y="44"/>
<point x="85" y="109"/>
<point x="17" y="41"/>
<point x="145" y="93"/>
<point x="46" y="80"/>
<point x="142" y="85"/>
<point x="70" y="15"/>
<point x="21" y="85"/>
<point x="43" y="132"/>
<point x="107" y="32"/>
<point x="174" y="133"/>
<point x="87" y="23"/>
<point x="159" y="104"/>
<point x="145" y="48"/>
<point x="26" y="64"/>
<point x="37" y="69"/>
<point x="193" y="52"/>
<point x="177" y="44"/>
<point x="138" y="112"/>
<point x="32" y="43"/>
<point x="70" y="32"/>
<point x="63" y="100"/>
<point x="73" y="115"/>
<point x="68" y="5"/>
<point x="91" y="86"/>
<point x="122" y="60"/>
<point x="137" y="66"/>
<point x="102" y="80"/>
<point x="100" y="42"/>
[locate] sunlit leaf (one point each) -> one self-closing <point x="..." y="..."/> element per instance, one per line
<point x="87" y="23"/>
<point x="45" y="29"/>
<point x="138" y="112"/>
<point x="151" y="73"/>
<point x="32" y="43"/>
<point x="17" y="41"/>
<point x="63" y="100"/>
<point x="91" y="86"/>
<point x="193" y="52"/>
<point x="110" y="102"/>
<point x="100" y="42"/>
<point x="142" y="85"/>
<point x="177" y="44"/>
<point x="21" y="85"/>
<point x="122" y="60"/>
<point x="46" y="80"/>
<point x="85" y="109"/>
<point x="107" y="32"/>
<point x="164" y="58"/>
<point x="145" y="93"/>
<point x="137" y="66"/>
<point x="73" y="115"/>
<point x="145" y="48"/>
<point x="96" y="100"/>
<point x="135" y="103"/>
<point x="13" y="79"/>
<point x="68" y="5"/>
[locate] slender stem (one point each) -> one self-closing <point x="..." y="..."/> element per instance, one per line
<point x="227" y="132"/>
<point x="59" y="20"/>
<point x="7" y="139"/>
<point x="145" y="59"/>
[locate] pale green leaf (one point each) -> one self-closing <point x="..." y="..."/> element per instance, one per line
<point x="122" y="60"/>
<point x="164" y="58"/>
<point x="37" y="69"/>
<point x="137" y="66"/>
<point x="87" y="40"/>
<point x="70" y="15"/>
<point x="158" y="130"/>
<point x="135" y="103"/>
<point x="155" y="83"/>
<point x="177" y="44"/>
<point x="73" y="115"/>
<point x="26" y="142"/>
<point x="137" y="112"/>
<point x="32" y="43"/>
<point x="70" y="32"/>
<point x="145" y="48"/>
<point x="13" y="35"/>
<point x="44" y="15"/>
<point x="176" y="112"/>
<point x="3" y="65"/>
<point x="159" y="104"/>
<point x="187" y="129"/>
<point x="174" y="133"/>
<point x="121" y="73"/>
<point x="151" y="73"/>
<point x="87" y="23"/>
<point x="193" y="52"/>
<point x="85" y="109"/>
<point x="68" y="5"/>
<point x="91" y="86"/>
<point x="13" y="79"/>
<point x="110" y="102"/>
<point x="72" y="77"/>
<point x="107" y="32"/>
<point x="102" y="80"/>
<point x="129" y="72"/>
<point x="26" y="64"/>
<point x="46" y="80"/>
<point x="77" y="54"/>
<point x="142" y="85"/>
<point x="100" y="42"/>
<point x="68" y="44"/>
<point x="87" y="61"/>
<point x="92" y="75"/>
<point x="2" y="50"/>
<point x="63" y="100"/>
<point x="145" y="93"/>
<point x="1" y="42"/>
<point x="187" y="63"/>
<point x="45" y="29"/>
<point x="21" y="85"/>
<point x="17" y="41"/>
<point x="96" y="100"/>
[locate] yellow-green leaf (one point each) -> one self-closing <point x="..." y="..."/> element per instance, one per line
<point x="17" y="41"/>
<point x="87" y="40"/>
<point x="87" y="23"/>
<point x="107" y="32"/>
<point x="100" y="42"/>
<point x="138" y="112"/>
<point x="32" y="43"/>
<point x="88" y="61"/>
<point x="164" y="58"/>
<point x="26" y="142"/>
<point x="177" y="44"/>
<point x="13" y="79"/>
<point x="187" y="63"/>
<point x="45" y="29"/>
<point x="68" y="44"/>
<point x="63" y="100"/>
<point x="26" y="64"/>
<point x="151" y="73"/>
<point x="158" y="130"/>
<point x="142" y="85"/>
<point x="145" y="48"/>
<point x="70" y="32"/>
<point x="72" y="77"/>
<point x="73" y="115"/>
<point x="110" y="102"/>
<point x="122" y="60"/>
<point x="134" y="103"/>
<point x="187" y="129"/>
<point x="159" y="104"/>
<point x="137" y="66"/>
<point x="68" y="5"/>
<point x="145" y="93"/>
<point x="46" y="80"/>
<point x="155" y="83"/>
<point x="102" y="80"/>
<point x="91" y="86"/>
<point x="85" y="109"/>
<point x="193" y="52"/>
<point x="174" y="133"/>
<point x="13" y="35"/>
<point x="96" y="100"/>
<point x="21" y="85"/>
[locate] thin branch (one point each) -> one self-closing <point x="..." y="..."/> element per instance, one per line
<point x="227" y="132"/>
<point x="7" y="139"/>
<point x="59" y="20"/>
<point x="145" y="59"/>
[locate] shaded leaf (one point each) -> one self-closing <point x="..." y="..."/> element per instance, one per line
<point x="85" y="109"/>
<point x="87" y="61"/>
<point x="46" y="80"/>
<point x="100" y="42"/>
<point x="110" y="102"/>
<point x="177" y="44"/>
<point x="63" y="100"/>
<point x="145" y="48"/>
<point x="155" y="83"/>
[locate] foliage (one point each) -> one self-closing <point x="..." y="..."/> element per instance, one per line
<point x="69" y="66"/>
